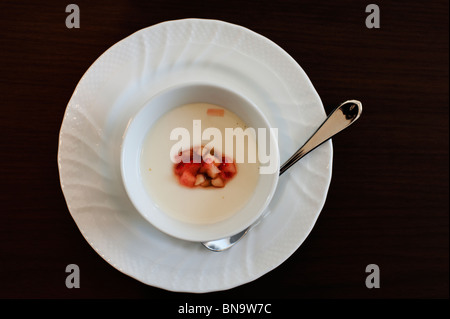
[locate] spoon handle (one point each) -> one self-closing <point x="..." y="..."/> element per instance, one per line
<point x="339" y="119"/>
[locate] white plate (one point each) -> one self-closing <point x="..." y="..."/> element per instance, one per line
<point x="115" y="87"/>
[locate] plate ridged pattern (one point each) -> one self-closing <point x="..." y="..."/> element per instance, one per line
<point x="113" y="90"/>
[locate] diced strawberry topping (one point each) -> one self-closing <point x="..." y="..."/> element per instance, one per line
<point x="215" y="112"/>
<point x="212" y="171"/>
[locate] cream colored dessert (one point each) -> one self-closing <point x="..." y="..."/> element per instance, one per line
<point x="200" y="205"/>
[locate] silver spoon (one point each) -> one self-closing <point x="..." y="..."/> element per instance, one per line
<point x="339" y="119"/>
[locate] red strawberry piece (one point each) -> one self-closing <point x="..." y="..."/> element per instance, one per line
<point x="217" y="182"/>
<point x="206" y="183"/>
<point x="199" y="179"/>
<point x="187" y="179"/>
<point x="208" y="158"/>
<point x="180" y="168"/>
<point x="215" y="112"/>
<point x="228" y="170"/>
<point x="193" y="168"/>
<point x="211" y="170"/>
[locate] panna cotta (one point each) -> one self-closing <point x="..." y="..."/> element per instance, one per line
<point x="210" y="187"/>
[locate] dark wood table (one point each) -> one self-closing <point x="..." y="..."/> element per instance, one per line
<point x="388" y="200"/>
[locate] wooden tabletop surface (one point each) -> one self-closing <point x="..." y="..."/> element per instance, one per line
<point x="388" y="201"/>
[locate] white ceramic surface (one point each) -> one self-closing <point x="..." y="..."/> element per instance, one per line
<point x="115" y="87"/>
<point x="136" y="133"/>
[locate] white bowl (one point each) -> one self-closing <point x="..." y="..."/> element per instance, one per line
<point x="131" y="151"/>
